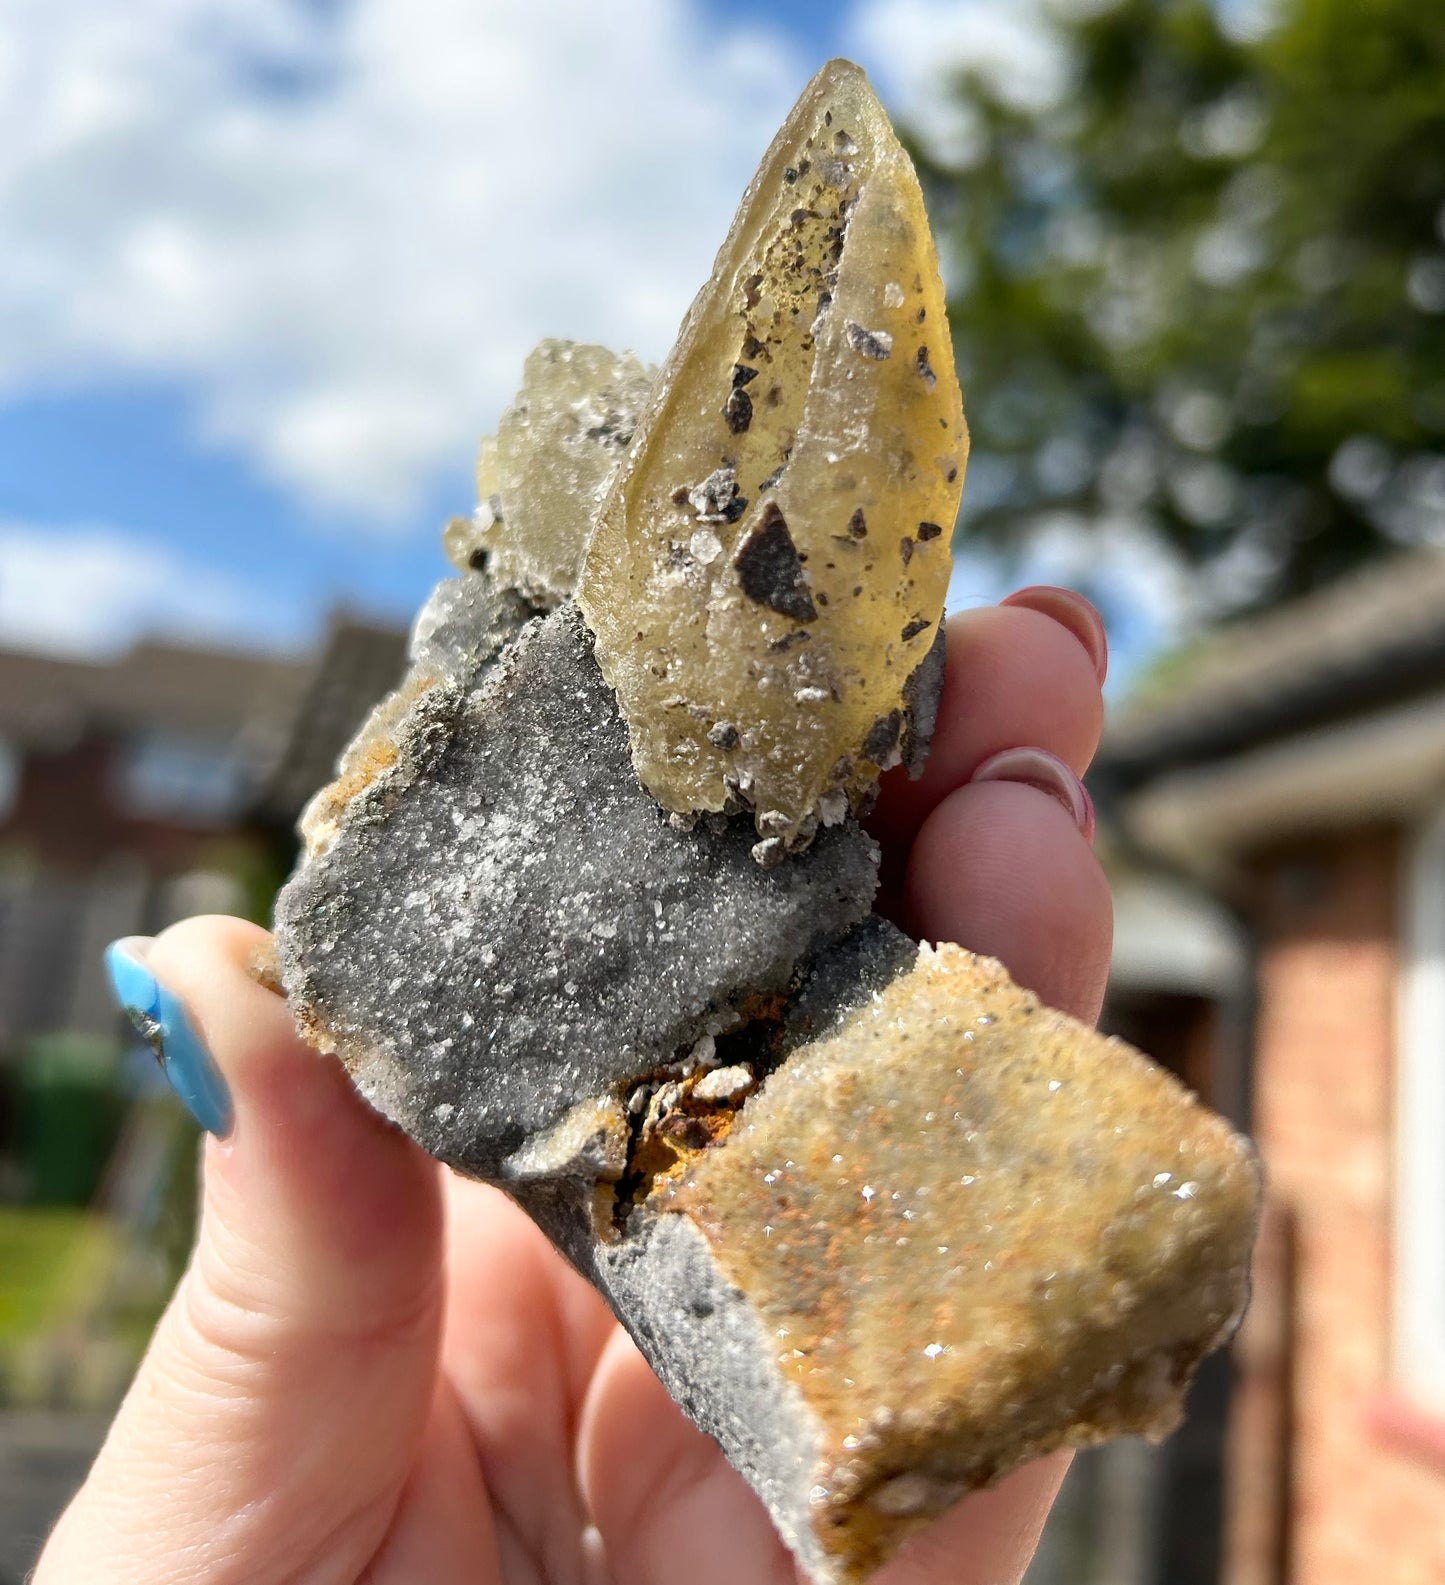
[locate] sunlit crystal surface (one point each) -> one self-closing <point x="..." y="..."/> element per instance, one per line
<point x="541" y="477"/>
<point x="770" y="565"/>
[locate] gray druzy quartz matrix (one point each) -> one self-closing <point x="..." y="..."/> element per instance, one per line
<point x="586" y="910"/>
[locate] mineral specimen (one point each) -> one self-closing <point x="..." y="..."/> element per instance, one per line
<point x="776" y="546"/>
<point x="883" y="1225"/>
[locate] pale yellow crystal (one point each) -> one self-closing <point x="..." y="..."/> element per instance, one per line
<point x="769" y="567"/>
<point x="540" y="479"/>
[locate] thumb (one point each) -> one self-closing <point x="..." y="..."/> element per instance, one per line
<point x="271" y="1425"/>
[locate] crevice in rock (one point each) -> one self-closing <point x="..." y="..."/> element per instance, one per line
<point x="682" y="1110"/>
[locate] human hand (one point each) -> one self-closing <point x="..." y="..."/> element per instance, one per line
<point x="376" y="1371"/>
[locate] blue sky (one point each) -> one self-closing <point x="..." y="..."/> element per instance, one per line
<point x="272" y="266"/>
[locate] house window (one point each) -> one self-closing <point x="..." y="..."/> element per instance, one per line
<point x="10" y="767"/>
<point x="186" y="780"/>
<point x="1420" y="1126"/>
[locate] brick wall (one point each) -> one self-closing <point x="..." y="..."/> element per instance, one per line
<point x="78" y="870"/>
<point x="66" y="817"/>
<point x="1358" y="1506"/>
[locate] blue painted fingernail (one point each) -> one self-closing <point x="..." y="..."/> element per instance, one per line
<point x="165" y="1026"/>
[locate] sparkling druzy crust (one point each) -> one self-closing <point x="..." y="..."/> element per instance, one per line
<point x="499" y="924"/>
<point x="974" y="1231"/>
<point x="769" y="567"/>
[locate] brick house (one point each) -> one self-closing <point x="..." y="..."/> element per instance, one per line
<point x="132" y="792"/>
<point x="1296" y="770"/>
<point x="123" y="792"/>
<point x="164" y="783"/>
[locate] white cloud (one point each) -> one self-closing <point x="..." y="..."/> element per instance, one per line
<point x="345" y="226"/>
<point x="92" y="590"/>
<point x="914" y="48"/>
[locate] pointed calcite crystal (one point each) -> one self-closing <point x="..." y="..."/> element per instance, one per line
<point x="768" y="571"/>
<point x="884" y="1226"/>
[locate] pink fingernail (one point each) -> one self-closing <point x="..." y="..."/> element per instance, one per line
<point x="1036" y="767"/>
<point x="1069" y="610"/>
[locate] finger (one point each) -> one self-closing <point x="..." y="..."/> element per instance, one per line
<point x="1071" y="610"/>
<point x="275" y="1414"/>
<point x="1004" y="869"/>
<point x="1013" y="675"/>
<point x="668" y="1505"/>
<point x="522" y="1337"/>
<point x="443" y="1525"/>
<point x="987" y="1539"/>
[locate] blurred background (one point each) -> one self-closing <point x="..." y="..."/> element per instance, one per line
<point x="270" y="268"/>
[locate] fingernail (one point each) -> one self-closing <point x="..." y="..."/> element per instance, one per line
<point x="1036" y="767"/>
<point x="1072" y="611"/>
<point x="165" y="1026"/>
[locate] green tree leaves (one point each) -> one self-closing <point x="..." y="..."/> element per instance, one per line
<point x="1204" y="290"/>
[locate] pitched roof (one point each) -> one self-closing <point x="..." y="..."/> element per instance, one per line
<point x="1370" y="639"/>
<point x="41" y="700"/>
<point x="359" y="663"/>
<point x="205" y="693"/>
<point x="195" y="690"/>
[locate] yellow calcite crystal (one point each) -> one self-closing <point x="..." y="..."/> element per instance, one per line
<point x="541" y="477"/>
<point x="977" y="1230"/>
<point x="769" y="567"/>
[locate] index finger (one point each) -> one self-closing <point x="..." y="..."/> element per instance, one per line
<point x="1014" y="676"/>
